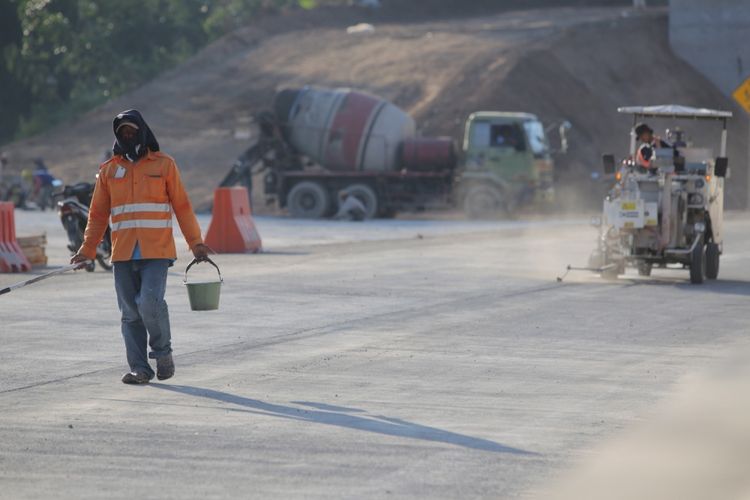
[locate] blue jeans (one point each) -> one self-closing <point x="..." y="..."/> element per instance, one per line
<point x="140" y="287"/>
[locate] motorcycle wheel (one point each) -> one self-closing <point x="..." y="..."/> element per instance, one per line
<point x="104" y="252"/>
<point x="104" y="262"/>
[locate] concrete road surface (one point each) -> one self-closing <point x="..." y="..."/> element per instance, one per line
<point x="432" y="360"/>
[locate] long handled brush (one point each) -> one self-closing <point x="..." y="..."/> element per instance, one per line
<point x="38" y="278"/>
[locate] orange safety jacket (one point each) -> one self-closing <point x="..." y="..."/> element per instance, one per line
<point x="140" y="197"/>
<point x="645" y="150"/>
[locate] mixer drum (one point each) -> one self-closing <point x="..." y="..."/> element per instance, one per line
<point x="344" y="130"/>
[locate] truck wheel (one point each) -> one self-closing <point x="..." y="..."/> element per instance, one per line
<point x="308" y="200"/>
<point x="644" y="268"/>
<point x="367" y="196"/>
<point x="712" y="261"/>
<point x="698" y="264"/>
<point x="483" y="202"/>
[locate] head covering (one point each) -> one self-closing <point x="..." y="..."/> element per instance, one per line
<point x="143" y="142"/>
<point x="642" y="128"/>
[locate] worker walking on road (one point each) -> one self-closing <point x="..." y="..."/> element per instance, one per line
<point x="139" y="188"/>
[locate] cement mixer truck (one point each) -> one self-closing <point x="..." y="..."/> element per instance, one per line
<point x="317" y="143"/>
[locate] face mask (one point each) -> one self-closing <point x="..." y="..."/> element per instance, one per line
<point x="131" y="148"/>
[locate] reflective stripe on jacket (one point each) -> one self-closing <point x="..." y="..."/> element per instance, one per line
<point x="140" y="199"/>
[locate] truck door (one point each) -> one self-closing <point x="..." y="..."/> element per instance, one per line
<point x="500" y="148"/>
<point x="543" y="168"/>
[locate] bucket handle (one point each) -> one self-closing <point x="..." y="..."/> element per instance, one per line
<point x="196" y="261"/>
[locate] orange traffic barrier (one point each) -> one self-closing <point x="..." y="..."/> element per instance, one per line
<point x="12" y="258"/>
<point x="232" y="229"/>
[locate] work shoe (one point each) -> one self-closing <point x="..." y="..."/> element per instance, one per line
<point x="164" y="367"/>
<point x="136" y="378"/>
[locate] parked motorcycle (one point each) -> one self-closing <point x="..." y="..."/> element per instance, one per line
<point x="73" y="209"/>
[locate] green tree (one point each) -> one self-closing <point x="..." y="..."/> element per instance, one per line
<point x="78" y="53"/>
<point x="63" y="57"/>
<point x="14" y="97"/>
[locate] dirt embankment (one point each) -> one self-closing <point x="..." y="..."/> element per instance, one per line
<point x="562" y="63"/>
<point x="587" y="72"/>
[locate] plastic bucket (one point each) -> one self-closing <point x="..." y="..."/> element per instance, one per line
<point x="204" y="296"/>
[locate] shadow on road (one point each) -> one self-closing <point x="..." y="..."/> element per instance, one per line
<point x="343" y="417"/>
<point x="726" y="287"/>
<point x="720" y="286"/>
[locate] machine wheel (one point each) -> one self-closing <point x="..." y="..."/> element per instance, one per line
<point x="308" y="200"/>
<point x="596" y="259"/>
<point x="610" y="274"/>
<point x="367" y="196"/>
<point x="481" y="202"/>
<point x="698" y="264"/>
<point x="644" y="268"/>
<point x="613" y="272"/>
<point x="712" y="261"/>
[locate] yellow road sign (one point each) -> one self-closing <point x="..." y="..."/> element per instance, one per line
<point x="742" y="95"/>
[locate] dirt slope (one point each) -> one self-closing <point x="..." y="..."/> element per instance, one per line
<point x="564" y="63"/>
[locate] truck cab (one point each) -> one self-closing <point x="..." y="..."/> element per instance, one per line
<point x="507" y="163"/>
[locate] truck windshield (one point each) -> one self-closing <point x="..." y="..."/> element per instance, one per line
<point x="537" y="139"/>
<point x="497" y="135"/>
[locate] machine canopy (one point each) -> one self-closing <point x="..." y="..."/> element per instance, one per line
<point x="675" y="111"/>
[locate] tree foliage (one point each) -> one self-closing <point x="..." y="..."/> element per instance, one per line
<point x="61" y="57"/>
